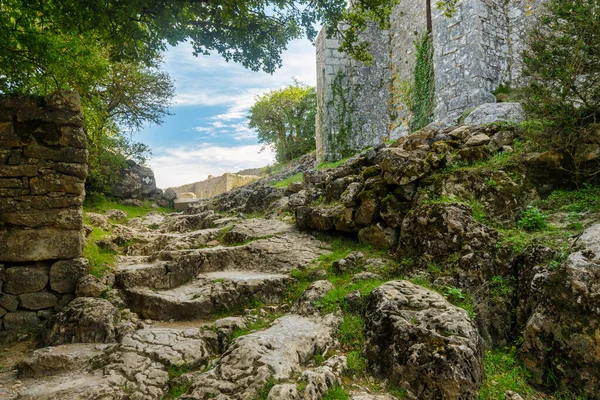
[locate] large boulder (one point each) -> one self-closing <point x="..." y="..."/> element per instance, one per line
<point x="496" y="112"/>
<point x="84" y="320"/>
<point x="136" y="182"/>
<point x="562" y="336"/>
<point x="421" y="342"/>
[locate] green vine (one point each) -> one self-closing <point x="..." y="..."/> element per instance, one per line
<point x="340" y="130"/>
<point x="423" y="96"/>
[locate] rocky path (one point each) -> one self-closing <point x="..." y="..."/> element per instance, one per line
<point x="171" y="275"/>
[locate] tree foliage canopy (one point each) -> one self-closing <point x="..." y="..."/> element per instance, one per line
<point x="285" y="120"/>
<point x="562" y="69"/>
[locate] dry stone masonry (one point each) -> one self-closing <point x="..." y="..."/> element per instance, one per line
<point x="475" y="51"/>
<point x="43" y="167"/>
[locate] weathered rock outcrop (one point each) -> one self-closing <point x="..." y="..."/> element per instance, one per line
<point x="562" y="335"/>
<point x="422" y="343"/>
<point x="136" y="182"/>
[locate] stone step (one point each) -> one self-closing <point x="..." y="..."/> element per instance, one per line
<point x="206" y="294"/>
<point x="278" y="254"/>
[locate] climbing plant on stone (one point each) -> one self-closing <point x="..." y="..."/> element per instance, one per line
<point x="423" y="95"/>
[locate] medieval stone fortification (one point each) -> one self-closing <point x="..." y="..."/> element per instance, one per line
<point x="474" y="52"/>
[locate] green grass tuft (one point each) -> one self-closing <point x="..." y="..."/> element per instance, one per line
<point x="286" y="182"/>
<point x="504" y="372"/>
<point x="336" y="393"/>
<point x="100" y="259"/>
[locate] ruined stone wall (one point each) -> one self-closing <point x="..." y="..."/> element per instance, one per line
<point x="475" y="51"/>
<point x="43" y="167"/>
<point x="408" y="23"/>
<point x="353" y="97"/>
<point x="470" y="56"/>
<point x="215" y="185"/>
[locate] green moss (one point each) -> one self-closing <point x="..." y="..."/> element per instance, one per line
<point x="370" y="171"/>
<point x="263" y="393"/>
<point x="356" y="363"/>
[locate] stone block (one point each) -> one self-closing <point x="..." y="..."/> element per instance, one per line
<point x="11" y="192"/>
<point x="73" y="136"/>
<point x="67" y="154"/>
<point x="20" y="280"/>
<point x="54" y="182"/>
<point x="11" y="171"/>
<point x="63" y="219"/>
<point x="40" y="244"/>
<point x="2" y="312"/>
<point x="65" y="274"/>
<point x="21" y="320"/>
<point x="38" y="301"/>
<point x="9" y="138"/>
<point x="12" y="183"/>
<point x="67" y="100"/>
<point x="9" y="302"/>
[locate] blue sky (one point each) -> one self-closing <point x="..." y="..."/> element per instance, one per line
<point x="208" y="133"/>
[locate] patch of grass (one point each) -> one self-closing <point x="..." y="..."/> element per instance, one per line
<point x="499" y="287"/>
<point x="177" y="371"/>
<point x="100" y="204"/>
<point x="100" y="259"/>
<point x="351" y="332"/>
<point x="336" y="393"/>
<point x="504" y="372"/>
<point x="583" y="200"/>
<point x="177" y="391"/>
<point x="263" y="393"/>
<point x="286" y="182"/>
<point x="518" y="240"/>
<point x="356" y="363"/>
<point x="459" y="298"/>
<point x="397" y="391"/>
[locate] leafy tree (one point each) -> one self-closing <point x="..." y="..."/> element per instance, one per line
<point x="123" y="101"/>
<point x="562" y="69"/>
<point x="285" y="120"/>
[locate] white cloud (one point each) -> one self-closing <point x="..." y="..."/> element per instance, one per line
<point x="178" y="166"/>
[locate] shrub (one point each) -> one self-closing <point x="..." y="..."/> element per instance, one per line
<point x="533" y="219"/>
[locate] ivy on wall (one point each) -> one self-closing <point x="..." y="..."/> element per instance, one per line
<point x="340" y="131"/>
<point x="423" y="93"/>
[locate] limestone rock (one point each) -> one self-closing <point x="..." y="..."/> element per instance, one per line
<point x="284" y="391"/>
<point x="379" y="236"/>
<point x="562" y="332"/>
<point x="478" y="140"/>
<point x="419" y="341"/>
<point x="9" y="302"/>
<point x="98" y="220"/>
<point x="84" y="320"/>
<point x="305" y="305"/>
<point x="117" y="215"/>
<point x="90" y="286"/>
<point x="190" y="348"/>
<point x="321" y="379"/>
<point x="349" y="263"/>
<point x="401" y="167"/>
<point x="254" y="229"/>
<point x="496" y="112"/>
<point x="136" y="182"/>
<point x="277" y="352"/>
<point x="65" y="274"/>
<point x="63" y="358"/>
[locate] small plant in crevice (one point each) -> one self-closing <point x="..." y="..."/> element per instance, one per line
<point x="533" y="219"/>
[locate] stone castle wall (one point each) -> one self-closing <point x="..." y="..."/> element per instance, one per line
<point x="475" y="51"/>
<point x="43" y="167"/>
<point x="215" y="185"/>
